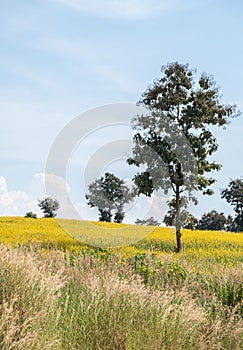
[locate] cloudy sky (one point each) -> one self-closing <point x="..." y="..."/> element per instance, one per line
<point x="61" y="58"/>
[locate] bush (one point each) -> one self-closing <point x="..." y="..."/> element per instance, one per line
<point x="30" y="215"/>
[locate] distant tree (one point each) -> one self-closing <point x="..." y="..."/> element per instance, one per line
<point x="212" y="221"/>
<point x="234" y="196"/>
<point x="151" y="221"/>
<point x="191" y="222"/>
<point x="109" y="194"/>
<point x="49" y="206"/>
<point x="178" y="103"/>
<point x="119" y="214"/>
<point x="231" y="225"/>
<point x="30" y="215"/>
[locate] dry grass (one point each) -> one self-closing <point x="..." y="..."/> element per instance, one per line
<point x="57" y="293"/>
<point x="63" y="301"/>
<point x="28" y="292"/>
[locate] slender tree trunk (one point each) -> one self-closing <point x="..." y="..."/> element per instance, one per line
<point x="178" y="221"/>
<point x="241" y="220"/>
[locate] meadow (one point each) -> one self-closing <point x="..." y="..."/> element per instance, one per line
<point x="59" y="293"/>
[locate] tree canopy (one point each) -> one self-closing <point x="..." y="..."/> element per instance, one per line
<point x="109" y="194"/>
<point x="234" y="196"/>
<point x="49" y="206"/>
<point x="174" y="140"/>
<point x="213" y="220"/>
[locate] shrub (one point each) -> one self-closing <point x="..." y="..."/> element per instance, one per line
<point x="30" y="215"/>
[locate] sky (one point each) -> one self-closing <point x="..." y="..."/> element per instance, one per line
<point x="62" y="58"/>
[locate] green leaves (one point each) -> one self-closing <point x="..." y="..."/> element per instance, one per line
<point x="174" y="140"/>
<point x="212" y="221"/>
<point x="109" y="193"/>
<point x="49" y="206"/>
<point x="234" y="196"/>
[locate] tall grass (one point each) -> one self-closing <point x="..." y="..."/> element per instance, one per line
<point x="28" y="296"/>
<point x="66" y="301"/>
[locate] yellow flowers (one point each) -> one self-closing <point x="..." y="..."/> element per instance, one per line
<point x="213" y="246"/>
<point x="105" y="234"/>
<point x="47" y="232"/>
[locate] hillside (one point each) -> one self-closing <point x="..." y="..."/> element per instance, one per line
<point x="59" y="293"/>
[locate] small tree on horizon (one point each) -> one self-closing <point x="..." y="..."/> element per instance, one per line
<point x="151" y="221"/>
<point x="49" y="207"/>
<point x="31" y="215"/>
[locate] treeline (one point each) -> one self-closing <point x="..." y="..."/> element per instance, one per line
<point x="173" y="144"/>
<point x="109" y="194"/>
<point x="214" y="220"/>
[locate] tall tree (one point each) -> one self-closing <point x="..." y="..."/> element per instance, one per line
<point x="109" y="194"/>
<point x="234" y="196"/>
<point x="174" y="133"/>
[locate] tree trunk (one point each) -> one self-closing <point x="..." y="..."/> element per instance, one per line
<point x="178" y="221"/>
<point x="178" y="241"/>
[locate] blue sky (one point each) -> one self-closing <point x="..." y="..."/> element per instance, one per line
<point x="60" y="58"/>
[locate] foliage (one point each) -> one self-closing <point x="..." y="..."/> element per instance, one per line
<point x="109" y="194"/>
<point x="231" y="224"/>
<point x="30" y="215"/>
<point x="151" y="221"/>
<point x="234" y="196"/>
<point x="191" y="222"/>
<point x="49" y="206"/>
<point x="173" y="141"/>
<point x="212" y="220"/>
<point x="169" y="218"/>
<point x="96" y="300"/>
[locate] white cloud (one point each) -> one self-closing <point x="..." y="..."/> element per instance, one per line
<point x="15" y="203"/>
<point x="85" y="212"/>
<point x="18" y="203"/>
<point x="127" y="9"/>
<point x="56" y="185"/>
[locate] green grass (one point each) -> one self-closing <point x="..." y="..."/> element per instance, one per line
<point x="70" y="301"/>
<point x="57" y="293"/>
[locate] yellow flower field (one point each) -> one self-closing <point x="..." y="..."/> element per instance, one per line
<point x="217" y="246"/>
<point x="213" y="246"/>
<point x="68" y="234"/>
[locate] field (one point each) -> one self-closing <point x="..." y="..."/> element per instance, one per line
<point x="59" y="293"/>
